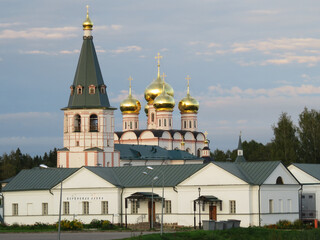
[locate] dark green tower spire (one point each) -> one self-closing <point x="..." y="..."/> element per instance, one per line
<point x="240" y="157"/>
<point x="88" y="89"/>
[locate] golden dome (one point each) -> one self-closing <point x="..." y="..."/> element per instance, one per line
<point x="164" y="102"/>
<point x="87" y="24"/>
<point x="130" y="104"/>
<point x="188" y="104"/>
<point x="155" y="89"/>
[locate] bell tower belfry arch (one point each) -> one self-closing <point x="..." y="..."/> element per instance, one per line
<point x="88" y="118"/>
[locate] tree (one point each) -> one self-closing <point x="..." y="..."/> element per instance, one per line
<point x="309" y="136"/>
<point x="285" y="144"/>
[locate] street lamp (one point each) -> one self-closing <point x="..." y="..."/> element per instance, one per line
<point x="161" y="229"/>
<point x="59" y="226"/>
<point x="152" y="181"/>
<point x="199" y="189"/>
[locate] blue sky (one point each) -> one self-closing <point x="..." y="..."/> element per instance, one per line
<point x="248" y="62"/>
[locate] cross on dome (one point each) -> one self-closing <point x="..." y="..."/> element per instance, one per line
<point x="158" y="57"/>
<point x="188" y="79"/>
<point x="130" y="79"/>
<point x="163" y="76"/>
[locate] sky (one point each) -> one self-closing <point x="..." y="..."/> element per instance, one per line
<point x="248" y="60"/>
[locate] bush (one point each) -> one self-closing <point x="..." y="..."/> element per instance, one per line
<point x="95" y="223"/>
<point x="70" y="225"/>
<point x="106" y="225"/>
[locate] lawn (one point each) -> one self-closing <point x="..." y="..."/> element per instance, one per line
<point x="237" y="234"/>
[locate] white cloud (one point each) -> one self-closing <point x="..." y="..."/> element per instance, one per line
<point x="25" y="115"/>
<point x="69" y="51"/>
<point x="264" y="12"/>
<point x="126" y="49"/>
<point x="39" y="33"/>
<point x="4" y="25"/>
<point x="37" y="52"/>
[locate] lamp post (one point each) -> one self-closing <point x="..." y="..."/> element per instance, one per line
<point x="59" y="224"/>
<point x="152" y="181"/>
<point x="161" y="228"/>
<point x="199" y="189"/>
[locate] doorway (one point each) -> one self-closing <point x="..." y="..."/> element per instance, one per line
<point x="213" y="213"/>
<point x="149" y="212"/>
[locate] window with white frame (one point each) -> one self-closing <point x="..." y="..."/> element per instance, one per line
<point x="168" y="206"/>
<point x="66" y="208"/>
<point x="270" y="205"/>
<point x="104" y="207"/>
<point x="280" y="205"/>
<point x="85" y="208"/>
<point x="232" y="204"/>
<point x="134" y="207"/>
<point x="44" y="208"/>
<point x="15" y="209"/>
<point x="289" y="205"/>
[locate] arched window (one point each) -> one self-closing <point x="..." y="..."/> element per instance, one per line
<point x="130" y="125"/>
<point x="79" y="89"/>
<point x="77" y="123"/>
<point x="92" y="89"/>
<point x="152" y="117"/>
<point x="190" y="124"/>
<point x="93" y="123"/>
<point x="194" y="124"/>
<point x="103" y="89"/>
<point x="169" y="122"/>
<point x="165" y="122"/>
<point x="279" y="180"/>
<point x="125" y="125"/>
<point x="199" y="153"/>
<point x="136" y="125"/>
<point x="185" y="124"/>
<point x="188" y="150"/>
<point x="159" y="122"/>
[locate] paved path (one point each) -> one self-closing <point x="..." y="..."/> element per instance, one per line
<point x="70" y="235"/>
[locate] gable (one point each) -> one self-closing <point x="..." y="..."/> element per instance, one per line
<point x="302" y="176"/>
<point x="212" y="175"/>
<point x="281" y="171"/>
<point x="85" y="179"/>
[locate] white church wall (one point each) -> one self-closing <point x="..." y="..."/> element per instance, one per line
<point x="281" y="171"/>
<point x="279" y="202"/>
<point x="302" y="176"/>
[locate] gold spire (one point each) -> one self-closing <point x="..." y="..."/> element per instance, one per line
<point x="206" y="139"/>
<point x="188" y="104"/>
<point x="87" y="24"/>
<point x="188" y="89"/>
<point x="130" y="79"/>
<point x="158" y="57"/>
<point x="163" y="76"/>
<point x="130" y="104"/>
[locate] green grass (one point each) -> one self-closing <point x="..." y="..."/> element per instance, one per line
<point x="237" y="234"/>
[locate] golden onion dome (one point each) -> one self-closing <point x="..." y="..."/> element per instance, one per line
<point x="155" y="89"/>
<point x="130" y="104"/>
<point x="164" y="102"/>
<point x="87" y="24"/>
<point x="188" y="104"/>
<point x="146" y="109"/>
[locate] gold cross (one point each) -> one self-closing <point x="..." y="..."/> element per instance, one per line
<point x="87" y="10"/>
<point x="163" y="76"/>
<point x="206" y="134"/>
<point x="188" y="79"/>
<point x="158" y="57"/>
<point x="240" y="133"/>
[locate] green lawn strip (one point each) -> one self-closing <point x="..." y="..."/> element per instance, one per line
<point x="237" y="234"/>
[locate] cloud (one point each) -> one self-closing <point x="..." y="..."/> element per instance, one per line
<point x="69" y="52"/>
<point x="287" y="90"/>
<point x="114" y="27"/>
<point x="39" y="33"/>
<point x="126" y="49"/>
<point x="25" y="115"/>
<point x="264" y="12"/>
<point x="4" y="25"/>
<point x="37" y="52"/>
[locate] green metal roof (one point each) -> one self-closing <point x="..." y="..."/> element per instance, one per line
<point x="147" y="152"/>
<point x="255" y="173"/>
<point x="88" y="73"/>
<point x="128" y="177"/>
<point x="312" y="169"/>
<point x="38" y="179"/>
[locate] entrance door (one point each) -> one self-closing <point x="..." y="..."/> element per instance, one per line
<point x="149" y="212"/>
<point x="213" y="213"/>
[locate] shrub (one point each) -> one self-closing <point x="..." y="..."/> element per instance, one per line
<point x="284" y="224"/>
<point x="106" y="225"/>
<point x="70" y="225"/>
<point x="95" y="223"/>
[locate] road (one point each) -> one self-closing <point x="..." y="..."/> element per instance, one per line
<point x="70" y="235"/>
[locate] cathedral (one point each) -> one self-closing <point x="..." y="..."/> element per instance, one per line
<point x="89" y="137"/>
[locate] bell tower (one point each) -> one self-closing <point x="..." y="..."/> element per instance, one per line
<point x="88" y="118"/>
